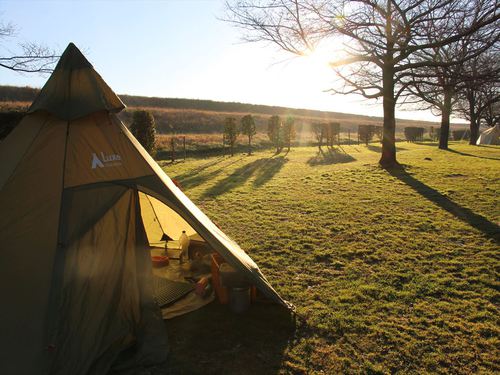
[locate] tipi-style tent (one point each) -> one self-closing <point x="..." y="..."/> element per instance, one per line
<point x="74" y="234"/>
<point x="490" y="136"/>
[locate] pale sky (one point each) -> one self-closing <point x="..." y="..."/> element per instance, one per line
<point x="176" y="48"/>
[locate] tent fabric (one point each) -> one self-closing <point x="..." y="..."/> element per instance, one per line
<point x="490" y="136"/>
<point x="98" y="151"/>
<point x="75" y="270"/>
<point x="29" y="206"/>
<point x="75" y="89"/>
<point x="159" y="219"/>
<point x="100" y="297"/>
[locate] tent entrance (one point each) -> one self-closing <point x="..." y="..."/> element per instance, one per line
<point x="174" y="284"/>
<point x="162" y="223"/>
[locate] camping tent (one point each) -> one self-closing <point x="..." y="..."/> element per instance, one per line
<point x="490" y="136"/>
<point x="74" y="235"/>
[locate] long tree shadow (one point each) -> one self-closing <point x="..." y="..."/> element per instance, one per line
<point x="378" y="149"/>
<point x="264" y="169"/>
<point x="199" y="175"/>
<point x="330" y="156"/>
<point x="432" y="144"/>
<point x="268" y="170"/>
<point x="213" y="340"/>
<point x="198" y="179"/>
<point x="471" y="155"/>
<point x="477" y="221"/>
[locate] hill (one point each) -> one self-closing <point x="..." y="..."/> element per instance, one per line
<point x="175" y="115"/>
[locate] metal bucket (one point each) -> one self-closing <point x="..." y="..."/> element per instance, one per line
<point x="239" y="299"/>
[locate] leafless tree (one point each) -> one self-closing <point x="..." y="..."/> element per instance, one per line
<point x="438" y="86"/>
<point x="479" y="98"/>
<point x="383" y="40"/>
<point x="30" y="57"/>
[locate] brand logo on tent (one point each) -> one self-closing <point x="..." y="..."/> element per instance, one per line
<point x="103" y="161"/>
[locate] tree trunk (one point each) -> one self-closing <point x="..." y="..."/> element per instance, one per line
<point x="474" y="120"/>
<point x="445" y="119"/>
<point x="474" y="130"/>
<point x="249" y="145"/>
<point x="388" y="157"/>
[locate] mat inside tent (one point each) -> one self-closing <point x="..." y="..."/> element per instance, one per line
<point x="167" y="291"/>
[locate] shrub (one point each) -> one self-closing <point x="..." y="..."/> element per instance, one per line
<point x="275" y="133"/>
<point x="332" y="132"/>
<point x="319" y="130"/>
<point x="460" y="134"/>
<point x="231" y="132"/>
<point x="289" y="133"/>
<point x="414" y="133"/>
<point x="143" y="128"/>
<point x="248" y="129"/>
<point x="366" y="133"/>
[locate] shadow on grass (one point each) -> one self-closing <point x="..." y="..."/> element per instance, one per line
<point x="433" y="144"/>
<point x="477" y="221"/>
<point x="214" y="340"/>
<point x="330" y="156"/>
<point x="378" y="149"/>
<point x="198" y="179"/>
<point x="471" y="155"/>
<point x="264" y="169"/>
<point x="198" y="175"/>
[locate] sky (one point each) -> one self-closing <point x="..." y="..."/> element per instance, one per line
<point x="177" y="48"/>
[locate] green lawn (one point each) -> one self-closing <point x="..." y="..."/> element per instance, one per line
<point x="392" y="271"/>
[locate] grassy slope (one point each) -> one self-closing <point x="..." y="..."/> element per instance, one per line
<point x="392" y="271"/>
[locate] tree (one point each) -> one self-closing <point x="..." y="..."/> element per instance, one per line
<point x="231" y="132"/>
<point x="366" y="133"/>
<point x="248" y="129"/>
<point x="332" y="132"/>
<point x="32" y="57"/>
<point x="144" y="129"/>
<point x="319" y="132"/>
<point x="438" y="85"/>
<point x="275" y="132"/>
<point x="480" y="92"/>
<point x="289" y="132"/>
<point x="383" y="39"/>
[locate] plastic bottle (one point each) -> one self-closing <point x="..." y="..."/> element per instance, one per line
<point x="184" y="242"/>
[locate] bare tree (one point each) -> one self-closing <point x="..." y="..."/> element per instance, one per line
<point x="31" y="57"/>
<point x="383" y="39"/>
<point x="479" y="97"/>
<point x="438" y="86"/>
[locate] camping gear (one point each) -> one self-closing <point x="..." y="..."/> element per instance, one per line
<point x="166" y="292"/>
<point x="230" y="278"/>
<point x="490" y="136"/>
<point x="83" y="200"/>
<point x="239" y="299"/>
<point x="203" y="287"/>
<point x="184" y="242"/>
<point x="159" y="260"/>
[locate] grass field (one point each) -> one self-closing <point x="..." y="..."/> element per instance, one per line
<point x="390" y="271"/>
